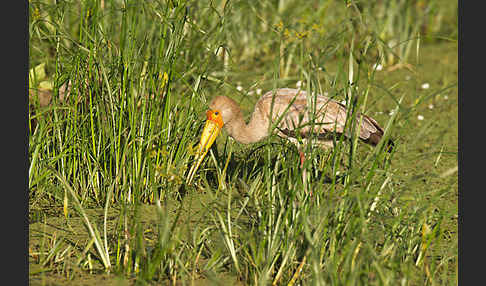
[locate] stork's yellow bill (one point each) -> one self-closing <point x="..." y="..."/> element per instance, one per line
<point x="211" y="130"/>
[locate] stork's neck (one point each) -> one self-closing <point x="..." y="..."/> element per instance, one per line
<point x="254" y="131"/>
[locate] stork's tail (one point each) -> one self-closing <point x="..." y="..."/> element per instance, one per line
<point x="375" y="138"/>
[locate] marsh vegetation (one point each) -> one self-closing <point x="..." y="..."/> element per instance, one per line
<point x="117" y="96"/>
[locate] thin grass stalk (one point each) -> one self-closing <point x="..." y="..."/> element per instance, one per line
<point x="227" y="237"/>
<point x="352" y="113"/>
<point x="105" y="219"/>
<point x="386" y="134"/>
<point x="36" y="153"/>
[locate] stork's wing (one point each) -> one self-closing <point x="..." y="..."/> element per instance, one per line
<point x="294" y="114"/>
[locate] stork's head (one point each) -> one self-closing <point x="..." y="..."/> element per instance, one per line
<point x="222" y="110"/>
<point x="226" y="107"/>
